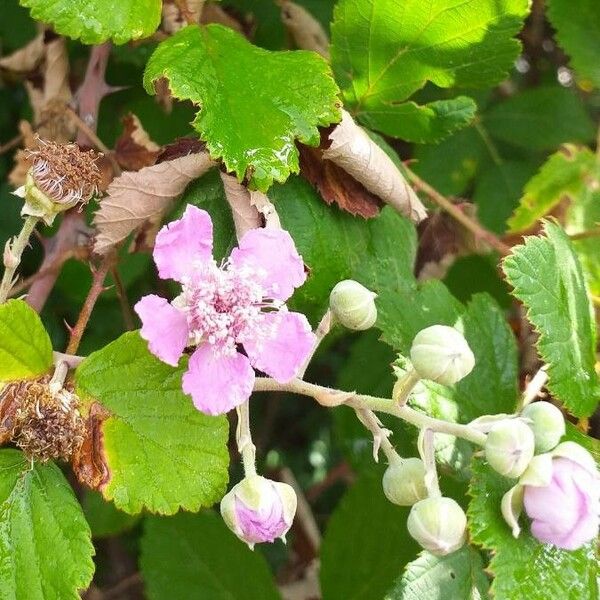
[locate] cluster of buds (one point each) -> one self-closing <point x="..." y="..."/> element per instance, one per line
<point x="61" y="177"/>
<point x="558" y="483"/>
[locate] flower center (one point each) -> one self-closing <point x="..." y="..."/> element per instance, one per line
<point x="224" y="305"/>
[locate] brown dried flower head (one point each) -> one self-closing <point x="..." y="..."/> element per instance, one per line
<point x="65" y="173"/>
<point x="61" y="176"/>
<point x="47" y="426"/>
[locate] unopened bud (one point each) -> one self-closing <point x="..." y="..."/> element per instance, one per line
<point x="259" y="510"/>
<point x="404" y="482"/>
<point x="438" y="524"/>
<point x="441" y="354"/>
<point x="547" y="423"/>
<point x="353" y="305"/>
<point x="509" y="447"/>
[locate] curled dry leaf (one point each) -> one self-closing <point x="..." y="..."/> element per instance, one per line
<point x="25" y="59"/>
<point x="305" y="30"/>
<point x="214" y="13"/>
<point x="353" y="150"/>
<point x="336" y="185"/>
<point x="23" y="160"/>
<point x="245" y="215"/>
<point x="134" y="149"/>
<point x="135" y="197"/>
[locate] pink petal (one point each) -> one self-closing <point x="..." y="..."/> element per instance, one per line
<point x="217" y="382"/>
<point x="164" y="327"/>
<point x="273" y="255"/>
<point x="286" y="349"/>
<point x="181" y="243"/>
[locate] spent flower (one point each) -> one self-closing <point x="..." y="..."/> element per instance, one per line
<point x="240" y="302"/>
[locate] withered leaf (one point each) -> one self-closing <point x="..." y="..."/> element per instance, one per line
<point x="336" y="185"/>
<point x="134" y="149"/>
<point x="27" y="58"/>
<point x="136" y="196"/>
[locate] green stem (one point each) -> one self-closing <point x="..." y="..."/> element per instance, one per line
<point x="246" y="447"/>
<point x="16" y="250"/>
<point x="362" y="401"/>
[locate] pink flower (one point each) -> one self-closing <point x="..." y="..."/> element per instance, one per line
<point x="240" y="302"/>
<point x="259" y="510"/>
<point x="565" y="511"/>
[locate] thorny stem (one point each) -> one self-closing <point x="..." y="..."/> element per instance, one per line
<point x="374" y="403"/>
<point x="122" y="297"/>
<point x="380" y="435"/>
<point x="475" y="228"/>
<point x="246" y="447"/>
<point x="88" y="306"/>
<point x="12" y="256"/>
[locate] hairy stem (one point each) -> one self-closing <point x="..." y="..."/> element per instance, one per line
<point x="380" y="435"/>
<point x="246" y="447"/>
<point x="475" y="228"/>
<point x="12" y="256"/>
<point x="374" y="403"/>
<point x="323" y="328"/>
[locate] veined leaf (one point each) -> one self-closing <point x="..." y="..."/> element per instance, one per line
<point x="95" y="21"/>
<point x="156" y="450"/>
<point x="563" y="174"/>
<point x="384" y="51"/>
<point x="25" y="348"/>
<point x="188" y="556"/>
<point x="254" y="103"/>
<point x="45" y="544"/>
<point x="547" y="277"/>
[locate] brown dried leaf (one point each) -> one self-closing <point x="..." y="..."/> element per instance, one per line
<point x="336" y="185"/>
<point x="23" y="159"/>
<point x="245" y="215"/>
<point x="356" y="153"/>
<point x="181" y="147"/>
<point x="135" y="197"/>
<point x="134" y="149"/>
<point x="306" y="31"/>
<point x="89" y="463"/>
<point x="214" y="13"/>
<point x="27" y="58"/>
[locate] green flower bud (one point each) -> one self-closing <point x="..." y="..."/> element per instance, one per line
<point x="353" y="305"/>
<point x="441" y="354"/>
<point x="404" y="482"/>
<point x="547" y="423"/>
<point x="509" y="447"/>
<point x="438" y="525"/>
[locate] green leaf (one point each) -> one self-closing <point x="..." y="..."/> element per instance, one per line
<point x="523" y="567"/>
<point x="383" y="52"/>
<point x="457" y="576"/>
<point x="422" y="123"/>
<point x="254" y="103"/>
<point x="45" y="545"/>
<point x="498" y="190"/>
<point x="584" y="215"/>
<point x="335" y="245"/>
<point x="25" y="348"/>
<point x="161" y="453"/>
<point x="104" y="518"/>
<point x="548" y="279"/>
<point x="520" y="121"/>
<point x="563" y="174"/>
<point x="95" y="21"/>
<point x="366" y="543"/>
<point x="578" y="33"/>
<point x="197" y="556"/>
<point x="451" y="165"/>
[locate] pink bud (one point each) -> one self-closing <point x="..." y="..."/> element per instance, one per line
<point x="259" y="510"/>
<point x="565" y="512"/>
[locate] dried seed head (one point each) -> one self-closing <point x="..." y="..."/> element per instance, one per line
<point x="47" y="426"/>
<point x="65" y="173"/>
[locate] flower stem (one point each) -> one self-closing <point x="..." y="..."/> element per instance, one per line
<point x="404" y="386"/>
<point x="427" y="452"/>
<point x="323" y="328"/>
<point x="374" y="403"/>
<point x="243" y="436"/>
<point x="12" y="256"/>
<point x="380" y="435"/>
